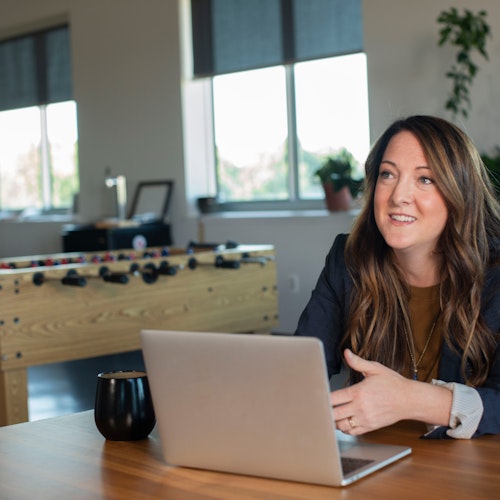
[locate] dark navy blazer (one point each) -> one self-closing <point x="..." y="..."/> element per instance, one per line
<point x="325" y="317"/>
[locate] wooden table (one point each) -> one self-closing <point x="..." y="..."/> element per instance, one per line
<point x="66" y="457"/>
<point x="44" y="321"/>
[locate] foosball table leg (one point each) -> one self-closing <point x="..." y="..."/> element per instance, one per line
<point x="13" y="396"/>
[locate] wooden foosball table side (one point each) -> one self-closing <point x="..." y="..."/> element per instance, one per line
<point x="104" y="305"/>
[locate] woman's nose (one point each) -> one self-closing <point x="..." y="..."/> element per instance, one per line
<point x="402" y="193"/>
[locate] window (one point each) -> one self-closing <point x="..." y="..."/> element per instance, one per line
<point x="38" y="157"/>
<point x="250" y="128"/>
<point x="273" y="127"/>
<point x="288" y="86"/>
<point x="331" y="97"/>
<point x="38" y="131"/>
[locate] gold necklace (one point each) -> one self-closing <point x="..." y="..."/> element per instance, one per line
<point x="411" y="348"/>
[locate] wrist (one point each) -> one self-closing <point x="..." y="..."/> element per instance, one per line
<point x="429" y="403"/>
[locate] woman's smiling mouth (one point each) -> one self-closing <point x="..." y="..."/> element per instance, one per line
<point x="402" y="218"/>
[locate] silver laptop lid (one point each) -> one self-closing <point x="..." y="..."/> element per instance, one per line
<point x="247" y="404"/>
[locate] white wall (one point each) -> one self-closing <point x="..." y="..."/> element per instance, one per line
<point x="406" y="68"/>
<point x="127" y="82"/>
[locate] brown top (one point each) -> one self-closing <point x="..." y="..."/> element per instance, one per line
<point x="424" y="310"/>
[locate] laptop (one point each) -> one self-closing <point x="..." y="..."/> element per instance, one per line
<point x="252" y="404"/>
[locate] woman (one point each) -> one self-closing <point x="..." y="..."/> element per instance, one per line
<point x="412" y="296"/>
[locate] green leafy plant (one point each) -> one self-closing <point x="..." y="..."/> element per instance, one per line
<point x="337" y="169"/>
<point x="468" y="32"/>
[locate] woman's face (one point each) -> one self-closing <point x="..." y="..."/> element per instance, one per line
<point x="410" y="212"/>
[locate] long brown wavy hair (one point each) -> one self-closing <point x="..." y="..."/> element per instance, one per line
<point x="379" y="310"/>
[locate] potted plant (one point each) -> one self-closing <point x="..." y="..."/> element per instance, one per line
<point x="468" y="33"/>
<point x="335" y="175"/>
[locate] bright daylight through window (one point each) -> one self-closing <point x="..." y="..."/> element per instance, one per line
<point x="274" y="126"/>
<point x="39" y="160"/>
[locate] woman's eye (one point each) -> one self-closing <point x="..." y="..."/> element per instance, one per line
<point x="426" y="180"/>
<point x="385" y="174"/>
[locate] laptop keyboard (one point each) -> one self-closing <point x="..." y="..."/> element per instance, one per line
<point x="352" y="464"/>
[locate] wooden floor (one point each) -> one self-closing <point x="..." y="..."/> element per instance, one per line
<point x="63" y="388"/>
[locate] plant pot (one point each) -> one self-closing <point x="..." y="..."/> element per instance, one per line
<point x="337" y="200"/>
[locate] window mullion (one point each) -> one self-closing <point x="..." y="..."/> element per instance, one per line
<point x="293" y="170"/>
<point x="45" y="160"/>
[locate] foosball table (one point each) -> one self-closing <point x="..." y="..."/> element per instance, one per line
<point x="73" y="306"/>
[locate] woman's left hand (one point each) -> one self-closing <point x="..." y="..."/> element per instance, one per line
<point x="382" y="398"/>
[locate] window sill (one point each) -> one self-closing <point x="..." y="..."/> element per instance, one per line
<point x="278" y="214"/>
<point x="16" y="219"/>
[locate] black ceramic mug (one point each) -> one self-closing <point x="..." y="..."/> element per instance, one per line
<point x="123" y="406"/>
